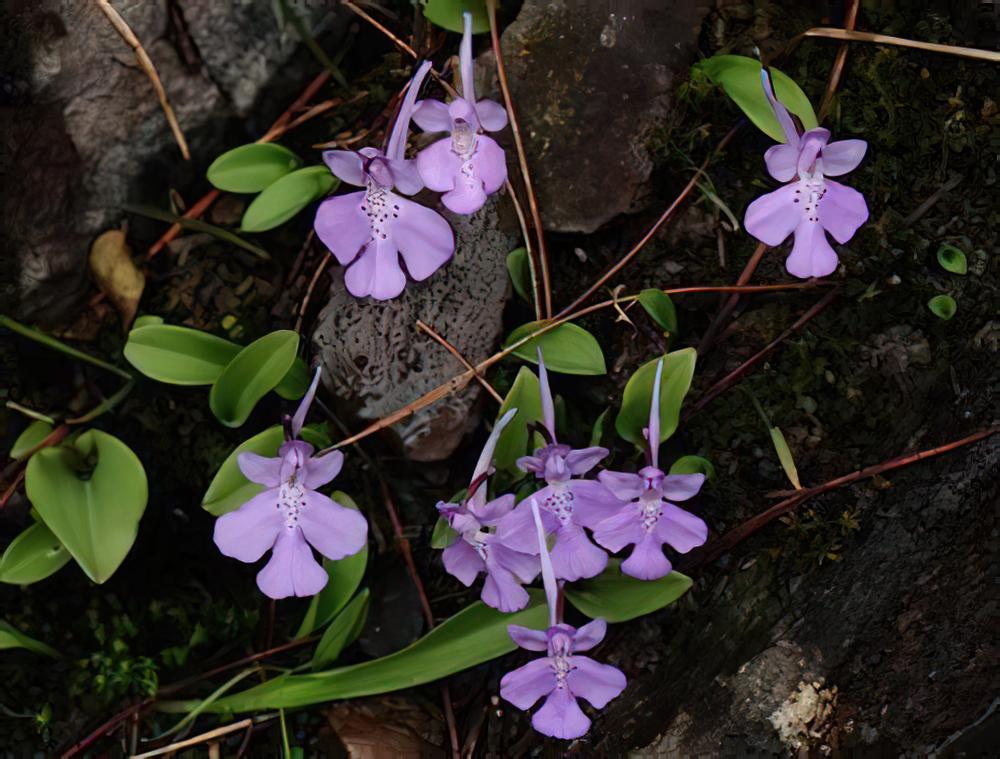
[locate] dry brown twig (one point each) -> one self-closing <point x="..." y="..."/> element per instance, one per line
<point x="461" y="359"/>
<point x="126" y="33"/>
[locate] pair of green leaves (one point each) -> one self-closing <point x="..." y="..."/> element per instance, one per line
<point x="275" y="172"/>
<point x="239" y="376"/>
<point x="951" y="259"/>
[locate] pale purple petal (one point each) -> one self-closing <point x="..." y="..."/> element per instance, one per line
<point x="342" y="226"/>
<point x="525" y="685"/>
<point x="492" y="116"/>
<point x="319" y="470"/>
<point x="582" y="460"/>
<point x="531" y="464"/>
<point x="529" y="639"/>
<point x="842" y="210"/>
<point x="590" y="635"/>
<point x="784" y="118"/>
<point x="260" y="469"/>
<point x="624" y="485"/>
<point x="545" y="394"/>
<point x="652" y="431"/>
<point x="294" y="455"/>
<point x="810" y="147"/>
<point x="334" y="530"/>
<point x="292" y="570"/>
<point x="774" y="216"/>
<point x="376" y="272"/>
<point x="561" y="716"/>
<point x="524" y="566"/>
<point x="466" y="66"/>
<point x="397" y="139"/>
<point x="517" y="529"/>
<point x="463" y="562"/>
<point x="490" y="164"/>
<point x="811" y="254"/>
<point x="467" y="197"/>
<point x="680" y="487"/>
<point x="681" y="529"/>
<point x="592" y="502"/>
<point x="490" y="513"/>
<point x="248" y="532"/>
<point x="424" y="237"/>
<point x="439" y="165"/>
<point x="299" y="418"/>
<point x="843" y="156"/>
<point x="574" y="557"/>
<point x="621" y="529"/>
<point x="346" y="165"/>
<point x="647" y="561"/>
<point x="502" y="591"/>
<point x="597" y="683"/>
<point x="782" y="160"/>
<point x="432" y="116"/>
<point x="406" y="176"/>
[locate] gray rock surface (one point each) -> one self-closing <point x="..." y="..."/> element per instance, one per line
<point x="589" y="81"/>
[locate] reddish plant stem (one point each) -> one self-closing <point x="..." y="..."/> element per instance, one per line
<point x="730" y="379"/>
<point x="730" y="304"/>
<point x="850" y="19"/>
<point x="12" y="489"/>
<point x="104" y="729"/>
<point x="53" y="438"/>
<point x="727" y="542"/>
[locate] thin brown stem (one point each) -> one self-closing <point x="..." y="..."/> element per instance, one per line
<point x="730" y="304"/>
<point x="324" y="262"/>
<point x="884" y="39"/>
<point x="381" y="27"/>
<point x="211" y="735"/>
<point x="537" y="296"/>
<point x="461" y="359"/>
<point x="522" y="159"/>
<point x="850" y="19"/>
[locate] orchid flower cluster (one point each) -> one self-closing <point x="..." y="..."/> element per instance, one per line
<point x="809" y="205"/>
<point x="368" y="231"/>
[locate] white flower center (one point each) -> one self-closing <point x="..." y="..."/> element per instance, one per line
<point x="650" y="510"/>
<point x="560" y="504"/>
<point x="291" y="501"/>
<point x="379" y="205"/>
<point x="809" y="193"/>
<point x="463" y="138"/>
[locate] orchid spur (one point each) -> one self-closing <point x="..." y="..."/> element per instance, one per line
<point x="467" y="166"/>
<point x="369" y="231"/>
<point x="562" y="676"/>
<point x="645" y="517"/>
<point x="810" y="205"/>
<point x="477" y="548"/>
<point x="568" y="505"/>
<point x="290" y="517"/>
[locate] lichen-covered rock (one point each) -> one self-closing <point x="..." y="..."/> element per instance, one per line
<point x="588" y="85"/>
<point x="377" y="360"/>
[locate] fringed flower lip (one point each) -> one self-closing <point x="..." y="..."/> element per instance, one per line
<point x="290" y="517"/>
<point x="369" y="231"/>
<point x="810" y="205"/>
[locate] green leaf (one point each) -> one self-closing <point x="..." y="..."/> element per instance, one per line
<point x="660" y="309"/>
<point x="342" y="630"/>
<point x="476" y="634"/>
<point x="448" y="14"/>
<point x="286" y="197"/>
<point x="345" y="577"/>
<point x="525" y="396"/>
<point x="251" y="168"/>
<point x="739" y="76"/>
<point x="616" y="597"/>
<point x="785" y="457"/>
<point x="678" y="369"/>
<point x="942" y="306"/>
<point x="147" y="320"/>
<point x="600" y="424"/>
<point x="693" y="465"/>
<point x="11" y="637"/>
<point x="519" y="269"/>
<point x="443" y="535"/>
<point x="32" y="556"/>
<point x="91" y="493"/>
<point x="33" y="434"/>
<point x="568" y="349"/>
<point x="179" y="355"/>
<point x="256" y="370"/>
<point x="295" y="383"/>
<point x="952" y="259"/>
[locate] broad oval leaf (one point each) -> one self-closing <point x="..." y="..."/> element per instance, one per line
<point x="693" y="465"/>
<point x="678" y="369"/>
<point x="616" y="597"/>
<point x="568" y="348"/>
<point x="295" y="383"/>
<point x="660" y="309"/>
<point x="943" y="306"/>
<point x="91" y="493"/>
<point x="146" y="320"/>
<point x="345" y="577"/>
<point x="739" y="76"/>
<point x="448" y="14"/>
<point x="525" y="396"/>
<point x="179" y="355"/>
<point x="952" y="259"/>
<point x="32" y="556"/>
<point x="33" y="434"/>
<point x="286" y="197"/>
<point x="344" y="628"/>
<point x="252" y="374"/>
<point x="11" y="637"/>
<point x="476" y="634"/>
<point x="251" y="168"/>
<point x="519" y="269"/>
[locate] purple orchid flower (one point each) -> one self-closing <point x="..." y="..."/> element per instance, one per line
<point x="568" y="505"/>
<point x="368" y="231"/>
<point x="468" y="166"/>
<point x="810" y="205"/>
<point x="646" y="517"/>
<point x="290" y="515"/>
<point x="562" y="676"/>
<point x="478" y="549"/>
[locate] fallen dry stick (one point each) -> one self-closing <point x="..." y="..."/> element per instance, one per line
<point x="884" y="39"/>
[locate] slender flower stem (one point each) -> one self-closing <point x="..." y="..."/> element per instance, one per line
<point x="30" y="413"/>
<point x="536" y="217"/>
<point x="461" y="359"/>
<point x="533" y="265"/>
